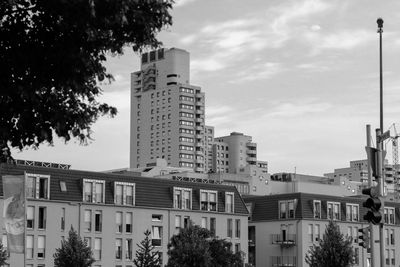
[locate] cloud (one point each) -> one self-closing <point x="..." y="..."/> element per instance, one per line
<point x="258" y="71"/>
<point x="209" y="64"/>
<point x="298" y="108"/>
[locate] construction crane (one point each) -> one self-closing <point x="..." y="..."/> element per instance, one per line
<point x="395" y="157"/>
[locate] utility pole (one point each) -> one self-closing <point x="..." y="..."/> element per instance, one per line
<point x="379" y="139"/>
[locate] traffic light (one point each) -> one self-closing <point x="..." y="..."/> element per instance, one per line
<point x="373" y="203"/>
<point x="364" y="237"/>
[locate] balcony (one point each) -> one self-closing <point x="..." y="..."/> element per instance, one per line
<point x="251" y="145"/>
<point x="287" y="240"/>
<point x="251" y="152"/>
<point x="283" y="261"/>
<point x="199" y="111"/>
<point x="251" y="159"/>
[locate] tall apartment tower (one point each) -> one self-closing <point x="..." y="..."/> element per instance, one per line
<point x="167" y="113"/>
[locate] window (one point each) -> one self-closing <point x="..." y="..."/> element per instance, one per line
<point x="392" y="236"/>
<point x="128" y="249"/>
<point x="208" y="200"/>
<point x="124" y="193"/>
<point x="87" y="221"/>
<point x="42" y="218"/>
<point x="37" y="186"/>
<point x="97" y="221"/>
<point x="30" y="217"/>
<point x="62" y="219"/>
<point x="88" y="241"/>
<point x="63" y="186"/>
<point x="237" y="228"/>
<point x="204" y="222"/>
<point x="213" y="225"/>
<point x="286" y="209"/>
<point x="393" y="256"/>
<point x="229" y="227"/>
<point x="352" y="212"/>
<point x="356" y="256"/>
<point x="29" y="246"/>
<point x="156" y="218"/>
<point x="389" y="215"/>
<point x="317" y="209"/>
<point x="310" y="233"/>
<point x="317" y="232"/>
<point x="118" y="248"/>
<point x="156" y="234"/>
<point x="41" y="246"/>
<point x="93" y="191"/>
<point x="237" y="247"/>
<point x="177" y="223"/>
<point x="118" y="222"/>
<point x="333" y="211"/>
<point x="186" y="221"/>
<point x="182" y="198"/>
<point x="229" y="202"/>
<point x="128" y="222"/>
<point x="97" y="248"/>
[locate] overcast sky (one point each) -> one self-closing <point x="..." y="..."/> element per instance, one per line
<point x="300" y="76"/>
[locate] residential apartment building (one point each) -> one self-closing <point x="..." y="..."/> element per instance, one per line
<point x="167" y="112"/>
<point x="282" y="227"/>
<point x="111" y="213"/>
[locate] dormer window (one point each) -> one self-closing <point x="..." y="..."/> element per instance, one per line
<point x="208" y="200"/>
<point x="37" y="186"/>
<point x="182" y="198"/>
<point x="229" y="202"/>
<point x="124" y="193"/>
<point x="93" y="191"/>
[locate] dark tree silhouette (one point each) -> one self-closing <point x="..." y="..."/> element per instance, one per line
<point x="145" y="255"/>
<point x="3" y="255"/>
<point x="334" y="250"/>
<point x="73" y="252"/>
<point x="52" y="55"/>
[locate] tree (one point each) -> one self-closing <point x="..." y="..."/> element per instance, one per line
<point x="145" y="256"/>
<point x="3" y="255"/>
<point x="73" y="252"/>
<point x="334" y="250"/>
<point x="52" y="55"/>
<point x="197" y="247"/>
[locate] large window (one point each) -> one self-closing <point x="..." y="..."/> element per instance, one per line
<point x="352" y="212"/>
<point x="41" y="246"/>
<point x="237" y="228"/>
<point x="182" y="198"/>
<point x="29" y="246"/>
<point x="30" y="217"/>
<point x="118" y="248"/>
<point x="208" y="200"/>
<point x="98" y="220"/>
<point x="156" y="234"/>
<point x="229" y="202"/>
<point x="124" y="193"/>
<point x="128" y="249"/>
<point x="37" y="186"/>
<point x="118" y="222"/>
<point x="229" y="227"/>
<point x="213" y="225"/>
<point x="389" y="215"/>
<point x="286" y="209"/>
<point x="93" y="191"/>
<point x="42" y="218"/>
<point x="333" y="210"/>
<point x="317" y="209"/>
<point x="87" y="221"/>
<point x="128" y="222"/>
<point x="97" y="248"/>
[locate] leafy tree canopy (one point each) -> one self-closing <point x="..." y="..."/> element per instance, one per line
<point x="197" y="247"/>
<point x="52" y="55"/>
<point x="334" y="250"/>
<point x="73" y="252"/>
<point x="145" y="255"/>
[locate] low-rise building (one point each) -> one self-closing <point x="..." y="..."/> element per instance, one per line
<point x="111" y="212"/>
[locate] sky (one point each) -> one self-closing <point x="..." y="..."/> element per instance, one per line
<point x="299" y="76"/>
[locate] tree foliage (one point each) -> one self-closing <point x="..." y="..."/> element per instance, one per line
<point x="52" y="55"/>
<point x="334" y="250"/>
<point x="145" y="255"/>
<point x="73" y="252"/>
<point x="197" y="247"/>
<point x="3" y="255"/>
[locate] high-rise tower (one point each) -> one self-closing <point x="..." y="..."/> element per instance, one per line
<point x="167" y="113"/>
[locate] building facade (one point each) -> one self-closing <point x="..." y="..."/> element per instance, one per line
<point x="282" y="227"/>
<point x="167" y="113"/>
<point x="112" y="212"/>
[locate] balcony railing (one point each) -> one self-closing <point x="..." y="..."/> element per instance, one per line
<point x="283" y="261"/>
<point x="284" y="240"/>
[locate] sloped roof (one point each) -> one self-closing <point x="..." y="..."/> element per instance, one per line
<point x="150" y="192"/>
